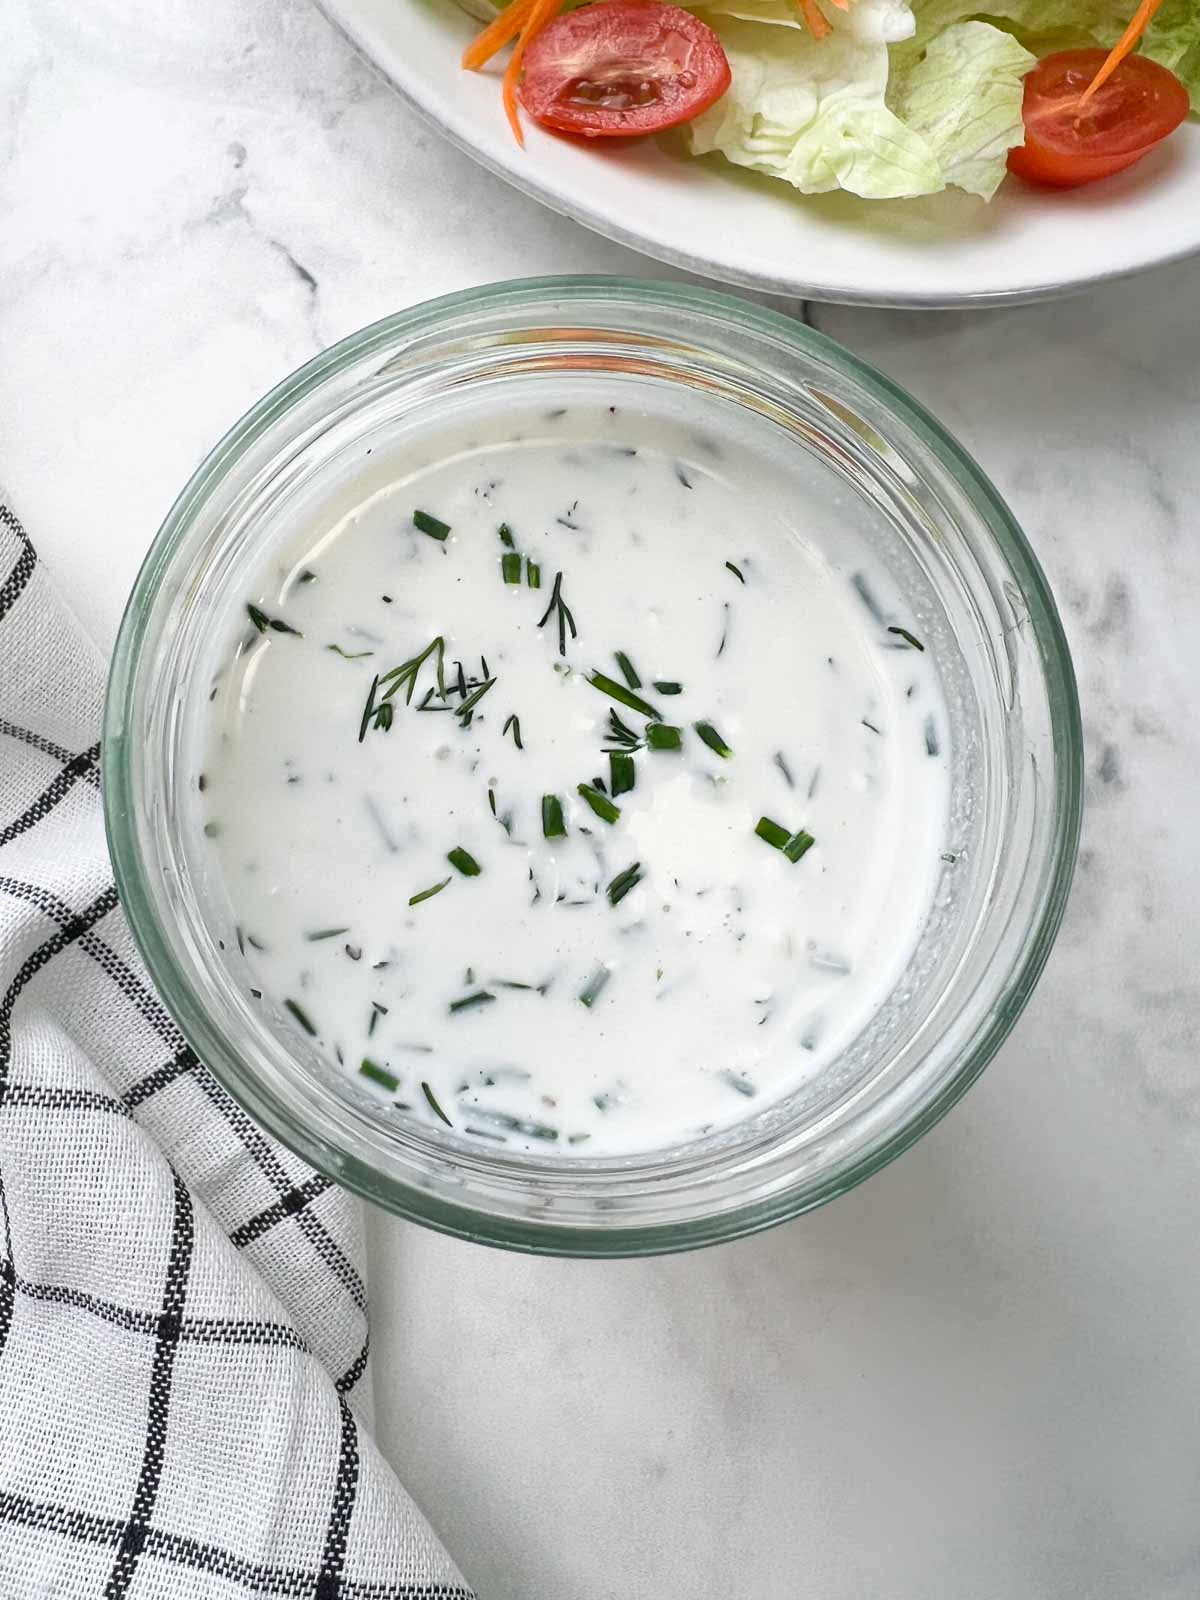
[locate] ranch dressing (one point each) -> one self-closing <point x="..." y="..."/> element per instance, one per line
<point x="573" y="786"/>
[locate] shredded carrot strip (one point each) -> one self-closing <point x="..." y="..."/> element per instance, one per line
<point x="541" y="12"/>
<point x="818" y="25"/>
<point x="497" y="34"/>
<point x="1138" y="25"/>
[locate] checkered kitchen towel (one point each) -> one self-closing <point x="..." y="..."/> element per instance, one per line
<point x="184" y="1395"/>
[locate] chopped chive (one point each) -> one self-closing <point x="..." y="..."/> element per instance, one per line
<point x="713" y="739"/>
<point x="736" y="571"/>
<point x="505" y="533"/>
<point x="872" y="726"/>
<point x="738" y="1081"/>
<point x="492" y="800"/>
<point x="429" y="1095"/>
<point x="662" y="736"/>
<point x="600" y="804"/>
<point x="380" y="1075"/>
<point x="793" y="845"/>
<point x="628" y="671"/>
<point x="514" y="722"/>
<point x="464" y="861"/>
<point x="378" y="1009"/>
<point x="909" y="637"/>
<point x="510" y="566"/>
<point x="428" y="894"/>
<point x="324" y="933"/>
<point x="667" y="686"/>
<point x="433" y="526"/>
<point x="775" y="836"/>
<point x="618" y="691"/>
<point x="553" y="824"/>
<point x="624" y="882"/>
<point x="798" y="845"/>
<point x="622" y="774"/>
<point x="533" y="574"/>
<point x="471" y="1002"/>
<point x="300" y="1016"/>
<point x="592" y="988"/>
<point x="349" y="655"/>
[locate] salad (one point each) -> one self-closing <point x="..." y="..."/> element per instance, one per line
<point x="884" y="98"/>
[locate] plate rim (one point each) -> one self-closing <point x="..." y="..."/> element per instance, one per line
<point x="761" y="282"/>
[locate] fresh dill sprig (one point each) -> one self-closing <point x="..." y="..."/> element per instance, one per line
<point x="466" y="710"/>
<point x="262" y="622"/>
<point x="558" y="606"/>
<point x="737" y="571"/>
<point x="405" y="675"/>
<point x="622" y="733"/>
<point x="324" y="933"/>
<point x="514" y="722"/>
<point x="349" y="655"/>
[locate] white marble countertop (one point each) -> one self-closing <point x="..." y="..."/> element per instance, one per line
<point x="978" y="1376"/>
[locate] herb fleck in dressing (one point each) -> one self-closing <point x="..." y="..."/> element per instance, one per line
<point x="576" y="789"/>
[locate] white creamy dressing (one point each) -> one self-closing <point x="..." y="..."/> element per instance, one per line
<point x="534" y="1002"/>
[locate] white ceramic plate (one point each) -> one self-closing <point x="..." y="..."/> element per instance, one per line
<point x="709" y="217"/>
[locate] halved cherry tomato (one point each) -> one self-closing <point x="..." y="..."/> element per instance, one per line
<point x="623" y="67"/>
<point x="1067" y="144"/>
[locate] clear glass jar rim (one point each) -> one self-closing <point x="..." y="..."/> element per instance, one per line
<point x="555" y="295"/>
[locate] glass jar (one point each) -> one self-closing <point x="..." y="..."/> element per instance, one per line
<point x="962" y="562"/>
